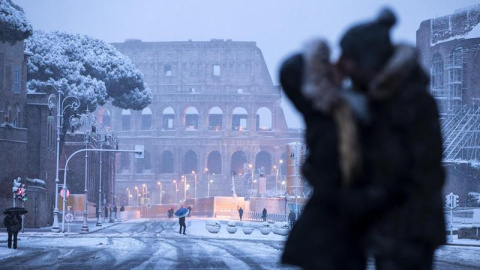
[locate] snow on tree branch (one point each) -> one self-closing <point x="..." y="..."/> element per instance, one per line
<point x="14" y="26"/>
<point x="87" y="68"/>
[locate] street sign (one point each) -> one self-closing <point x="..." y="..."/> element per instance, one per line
<point x="139" y="151"/>
<point x="69" y="217"/>
<point x="62" y="192"/>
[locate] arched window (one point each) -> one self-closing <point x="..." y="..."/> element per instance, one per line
<point x="264" y="119"/>
<point x="214" y="162"/>
<point x="126" y="117"/>
<point x="167" y="162"/>
<point x="263" y="163"/>
<point x="191" y="118"/>
<point x="239" y="159"/>
<point x="239" y="119"/>
<point x="168" y="116"/>
<point x="215" y="116"/>
<point x="189" y="162"/>
<point x="146" y="118"/>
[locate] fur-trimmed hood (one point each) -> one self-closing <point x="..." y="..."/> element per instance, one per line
<point x="396" y="71"/>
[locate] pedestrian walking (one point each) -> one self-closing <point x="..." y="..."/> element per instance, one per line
<point x="106" y="212"/>
<point x="291" y="219"/>
<point x="115" y="211"/>
<point x="240" y="213"/>
<point x="13" y="223"/>
<point x="181" y="221"/>
<point x="189" y="210"/>
<point x="264" y="214"/>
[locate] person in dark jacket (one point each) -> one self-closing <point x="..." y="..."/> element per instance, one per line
<point x="404" y="142"/>
<point x="240" y="213"/>
<point x="13" y="223"/>
<point x="183" y="225"/>
<point x="264" y="214"/>
<point x="322" y="235"/>
<point x="115" y="211"/>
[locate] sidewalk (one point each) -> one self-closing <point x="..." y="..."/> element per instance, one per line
<point x="75" y="228"/>
<point x="462" y="242"/>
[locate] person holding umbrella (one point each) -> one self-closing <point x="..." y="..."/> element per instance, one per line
<point x="181" y="214"/>
<point x="13" y="223"/>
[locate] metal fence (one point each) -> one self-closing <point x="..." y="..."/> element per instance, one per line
<point x="250" y="216"/>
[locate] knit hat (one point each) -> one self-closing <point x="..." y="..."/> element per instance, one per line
<point x="369" y="43"/>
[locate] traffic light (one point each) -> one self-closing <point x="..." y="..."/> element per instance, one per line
<point x="448" y="201"/>
<point x="16" y="186"/>
<point x="22" y="193"/>
<point x="455" y="201"/>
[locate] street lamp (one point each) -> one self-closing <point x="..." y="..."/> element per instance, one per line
<point x="128" y="196"/>
<point x="176" y="190"/>
<point x="62" y="105"/>
<point x="101" y="138"/>
<point x="251" y="169"/>
<point x="86" y="120"/>
<point x="209" y="182"/>
<point x="184" y="180"/>
<point x="160" y="191"/>
<point x="195" y="175"/>
<point x="136" y="196"/>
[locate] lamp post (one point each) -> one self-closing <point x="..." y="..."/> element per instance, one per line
<point x="251" y="169"/>
<point x="101" y="139"/>
<point x="276" y="177"/>
<point x="209" y="182"/>
<point x="62" y="105"/>
<point x="136" y="196"/>
<point x="195" y="183"/>
<point x="128" y="196"/>
<point x="176" y="190"/>
<point x="160" y="192"/>
<point x="184" y="180"/>
<point x="86" y="120"/>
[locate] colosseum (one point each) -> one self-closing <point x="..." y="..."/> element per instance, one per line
<point x="215" y="118"/>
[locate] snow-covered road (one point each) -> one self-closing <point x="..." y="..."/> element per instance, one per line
<point x="156" y="244"/>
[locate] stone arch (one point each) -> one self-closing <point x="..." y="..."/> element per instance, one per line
<point x="190" y="118"/>
<point x="168" y="116"/>
<point x="126" y="119"/>
<point x="214" y="162"/>
<point x="264" y="119"/>
<point x="239" y="159"/>
<point x="263" y="162"/>
<point x="168" y="162"/>
<point x="146" y="118"/>
<point x="215" y="118"/>
<point x="239" y="119"/>
<point x="190" y="162"/>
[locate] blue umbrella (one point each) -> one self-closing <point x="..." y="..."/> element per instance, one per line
<point x="182" y="212"/>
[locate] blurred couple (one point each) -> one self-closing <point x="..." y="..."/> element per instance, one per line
<point x="375" y="152"/>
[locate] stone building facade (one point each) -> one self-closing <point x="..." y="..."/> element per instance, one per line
<point x="449" y="49"/>
<point x="215" y="118"/>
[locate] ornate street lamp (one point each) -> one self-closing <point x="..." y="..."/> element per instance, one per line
<point x="195" y="175"/>
<point x="101" y="138"/>
<point x="176" y="190"/>
<point x="62" y="105"/>
<point x="160" y="191"/>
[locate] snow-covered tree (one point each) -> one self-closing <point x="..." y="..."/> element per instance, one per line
<point x="14" y="26"/>
<point x="474" y="199"/>
<point x="88" y="68"/>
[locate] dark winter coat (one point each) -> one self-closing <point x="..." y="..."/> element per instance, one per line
<point x="321" y="236"/>
<point x="406" y="154"/>
<point x="13" y="223"/>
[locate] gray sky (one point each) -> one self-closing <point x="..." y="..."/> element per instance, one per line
<point x="280" y="27"/>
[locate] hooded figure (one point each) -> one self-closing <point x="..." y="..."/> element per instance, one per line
<point x="404" y="145"/>
<point x="13" y="223"/>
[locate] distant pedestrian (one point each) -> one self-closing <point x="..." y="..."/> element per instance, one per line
<point x="291" y="218"/>
<point x="122" y="208"/>
<point x="13" y="223"/>
<point x="264" y="214"/>
<point x="240" y="213"/>
<point x="189" y="210"/>
<point x="183" y="225"/>
<point x="106" y="212"/>
<point x="115" y="211"/>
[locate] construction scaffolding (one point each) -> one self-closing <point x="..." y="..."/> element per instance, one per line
<point x="460" y="118"/>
